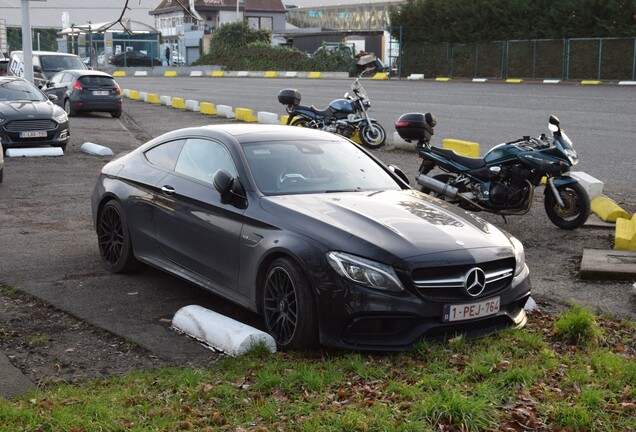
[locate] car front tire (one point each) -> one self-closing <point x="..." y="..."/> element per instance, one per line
<point x="69" y="109"/>
<point x="288" y="306"/>
<point x="113" y="236"/>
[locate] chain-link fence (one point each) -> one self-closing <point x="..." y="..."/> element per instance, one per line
<point x="600" y="59"/>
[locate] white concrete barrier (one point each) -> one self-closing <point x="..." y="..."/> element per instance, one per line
<point x="166" y="100"/>
<point x="126" y="93"/>
<point x="141" y="73"/>
<point x="627" y="83"/>
<point x="291" y="74"/>
<point x="480" y="80"/>
<point x="192" y="105"/>
<point x="267" y="117"/>
<point x="551" y="81"/>
<point x="398" y="142"/>
<point x="225" y="111"/>
<point x="96" y="149"/>
<point x="143" y="96"/>
<point x="34" y="151"/>
<point x="416" y="77"/>
<point x="593" y="186"/>
<point x="196" y="73"/>
<point x="219" y="332"/>
<point x="242" y="74"/>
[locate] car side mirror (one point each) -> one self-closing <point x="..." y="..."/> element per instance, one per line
<point x="230" y="188"/>
<point x="398" y="172"/>
<point x="52" y="97"/>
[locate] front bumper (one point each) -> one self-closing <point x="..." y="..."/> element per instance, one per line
<point x="58" y="136"/>
<point x="365" y="319"/>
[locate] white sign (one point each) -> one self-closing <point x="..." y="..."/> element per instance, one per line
<point x="16" y="67"/>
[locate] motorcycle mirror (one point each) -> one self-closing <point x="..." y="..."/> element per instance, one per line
<point x="554" y="124"/>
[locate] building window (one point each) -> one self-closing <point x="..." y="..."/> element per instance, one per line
<point x="257" y="23"/>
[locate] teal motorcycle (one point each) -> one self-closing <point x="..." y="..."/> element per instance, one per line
<point x="504" y="180"/>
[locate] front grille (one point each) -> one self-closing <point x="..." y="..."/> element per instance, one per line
<point x="446" y="283"/>
<point x="30" y="125"/>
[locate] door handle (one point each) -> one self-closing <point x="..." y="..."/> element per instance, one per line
<point x="168" y="190"/>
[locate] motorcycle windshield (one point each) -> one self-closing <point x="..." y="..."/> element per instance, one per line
<point x="358" y="89"/>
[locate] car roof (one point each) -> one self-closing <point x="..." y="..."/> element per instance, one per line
<point x="83" y="72"/>
<point x="248" y="133"/>
<point x="46" y="53"/>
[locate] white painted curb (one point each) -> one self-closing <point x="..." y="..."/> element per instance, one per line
<point x="416" y="77"/>
<point x="551" y="81"/>
<point x="627" y="83"/>
<point x="141" y="73"/>
<point x="196" y="73"/>
<point x="143" y="96"/>
<point x="96" y="149"/>
<point x="593" y="186"/>
<point x="290" y="74"/>
<point x="480" y="80"/>
<point x="225" y="111"/>
<point x="166" y="100"/>
<point x="34" y="151"/>
<point x="218" y="331"/>
<point x="267" y="117"/>
<point x="192" y="105"/>
<point x="242" y="74"/>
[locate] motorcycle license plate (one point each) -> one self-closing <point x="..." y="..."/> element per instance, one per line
<point x="468" y="311"/>
<point x="100" y="92"/>
<point x="33" y="134"/>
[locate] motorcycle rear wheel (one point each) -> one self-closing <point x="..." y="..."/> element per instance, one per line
<point x="372" y="137"/>
<point x="301" y="122"/>
<point x="576" y="209"/>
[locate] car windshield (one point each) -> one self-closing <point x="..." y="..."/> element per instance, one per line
<point x="300" y="167"/>
<point x="18" y="90"/>
<point x="56" y="63"/>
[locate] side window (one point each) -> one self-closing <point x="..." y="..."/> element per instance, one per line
<point x="57" y="78"/>
<point x="201" y="158"/>
<point x="67" y="78"/>
<point x="165" y="155"/>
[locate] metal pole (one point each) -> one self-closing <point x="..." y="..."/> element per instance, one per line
<point x="27" y="42"/>
<point x="600" y="57"/>
<point x="634" y="63"/>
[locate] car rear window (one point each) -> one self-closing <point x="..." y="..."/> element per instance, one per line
<point x="97" y="81"/>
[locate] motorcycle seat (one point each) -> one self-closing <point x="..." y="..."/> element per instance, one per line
<point x="469" y="162"/>
<point x="321" y="113"/>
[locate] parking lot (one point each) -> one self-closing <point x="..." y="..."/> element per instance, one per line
<point x="49" y="248"/>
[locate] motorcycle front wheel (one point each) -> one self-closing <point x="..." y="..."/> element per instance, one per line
<point x="372" y="136"/>
<point x="576" y="207"/>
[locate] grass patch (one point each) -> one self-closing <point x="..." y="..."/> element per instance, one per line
<point x="529" y="379"/>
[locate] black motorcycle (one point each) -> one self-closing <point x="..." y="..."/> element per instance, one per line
<point x="504" y="180"/>
<point x="346" y="117"/>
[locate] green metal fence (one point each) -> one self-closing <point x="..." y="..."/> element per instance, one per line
<point x="566" y="59"/>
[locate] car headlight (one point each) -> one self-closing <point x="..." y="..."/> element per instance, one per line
<point x="60" y="116"/>
<point x="520" y="255"/>
<point x="365" y="272"/>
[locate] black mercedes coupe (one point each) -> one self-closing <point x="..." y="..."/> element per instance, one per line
<point x="311" y="231"/>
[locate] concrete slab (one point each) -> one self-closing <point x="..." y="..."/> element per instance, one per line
<point x="608" y="264"/>
<point x="593" y="221"/>
<point x="14" y="382"/>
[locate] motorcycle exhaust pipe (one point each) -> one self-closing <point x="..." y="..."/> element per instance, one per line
<point x="438" y="186"/>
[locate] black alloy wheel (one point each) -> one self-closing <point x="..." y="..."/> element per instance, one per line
<point x="576" y="207"/>
<point x="113" y="236"/>
<point x="372" y="135"/>
<point x="288" y="306"/>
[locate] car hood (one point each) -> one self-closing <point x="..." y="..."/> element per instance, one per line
<point x="403" y="223"/>
<point x="27" y="109"/>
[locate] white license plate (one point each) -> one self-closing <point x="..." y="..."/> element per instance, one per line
<point x="101" y="92"/>
<point x="32" y="134"/>
<point x="468" y="311"/>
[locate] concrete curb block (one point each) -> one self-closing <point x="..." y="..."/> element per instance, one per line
<point x="551" y="81"/>
<point x="464" y="148"/>
<point x="34" y="152"/>
<point x="291" y="74"/>
<point x="607" y="209"/>
<point x="196" y="73"/>
<point x="381" y="76"/>
<point x="270" y="74"/>
<point x="141" y="73"/>
<point x="220" y="332"/>
<point x="225" y="111"/>
<point x="170" y="73"/>
<point x="415" y="77"/>
<point x="514" y="81"/>
<point x="245" y="115"/>
<point x="591" y="82"/>
<point x="166" y="100"/>
<point x="314" y="75"/>
<point x="480" y="80"/>
<point x="125" y="93"/>
<point x="242" y="74"/>
<point x="608" y="265"/>
<point x="119" y="74"/>
<point x="267" y="117"/>
<point x="594" y="187"/>
<point x="134" y="95"/>
<point x="217" y="74"/>
<point x="627" y="83"/>
<point x="192" y="105"/>
<point x="153" y="98"/>
<point x="96" y="149"/>
<point x="143" y="96"/>
<point x="178" y="103"/>
<point x="442" y="79"/>
<point x="208" y="108"/>
<point x="625" y="237"/>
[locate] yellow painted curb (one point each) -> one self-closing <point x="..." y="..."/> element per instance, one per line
<point x="356" y="137"/>
<point x="590" y="82"/>
<point x="442" y="79"/>
<point x="153" y="98"/>
<point x="216" y="74"/>
<point x="315" y="75"/>
<point x="208" y="108"/>
<point x="464" y="148"/>
<point x="283" y="120"/>
<point x="134" y="95"/>
<point x="625" y="238"/>
<point x="170" y="73"/>
<point x="245" y="115"/>
<point x="271" y="74"/>
<point x="607" y="209"/>
<point x="178" y="103"/>
<point x="119" y="73"/>
<point x="381" y="76"/>
<point x="514" y="80"/>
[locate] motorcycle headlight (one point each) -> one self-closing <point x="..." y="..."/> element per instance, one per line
<point x="60" y="116"/>
<point x="520" y="255"/>
<point x="365" y="272"/>
<point x="572" y="156"/>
